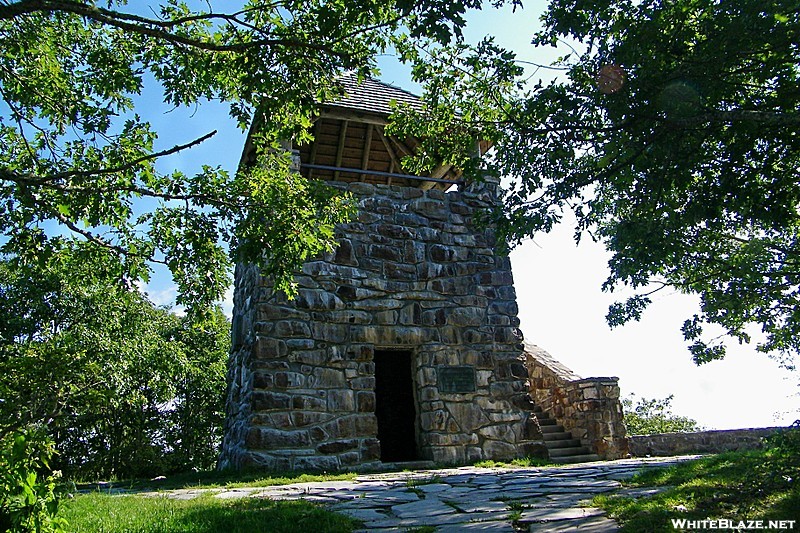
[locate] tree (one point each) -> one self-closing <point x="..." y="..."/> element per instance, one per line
<point x="654" y="416"/>
<point x="196" y="421"/>
<point x="76" y="153"/>
<point x="122" y="387"/>
<point x="671" y="132"/>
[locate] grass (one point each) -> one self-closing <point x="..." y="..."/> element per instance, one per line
<point x="752" y="485"/>
<point x="523" y="462"/>
<point x="99" y="513"/>
<point x="227" y="479"/>
<point x="418" y="481"/>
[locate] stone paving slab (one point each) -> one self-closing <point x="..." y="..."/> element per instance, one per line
<point x="597" y="524"/>
<point x="426" y="507"/>
<point x="552" y="499"/>
<point x="545" y="514"/>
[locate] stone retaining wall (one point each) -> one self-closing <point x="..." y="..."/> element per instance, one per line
<point x="588" y="408"/>
<point x="715" y="441"/>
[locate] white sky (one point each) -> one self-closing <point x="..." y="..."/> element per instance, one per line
<point x="558" y="287"/>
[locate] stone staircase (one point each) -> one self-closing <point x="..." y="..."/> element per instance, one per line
<point x="560" y="444"/>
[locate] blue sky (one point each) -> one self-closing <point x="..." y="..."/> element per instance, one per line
<point x="558" y="284"/>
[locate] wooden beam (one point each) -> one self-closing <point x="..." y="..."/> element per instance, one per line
<point x="365" y="154"/>
<point x="313" y="156"/>
<point x="438" y="173"/>
<point x="340" y="149"/>
<point x="390" y="151"/>
<point x="354" y="116"/>
<point x="400" y="144"/>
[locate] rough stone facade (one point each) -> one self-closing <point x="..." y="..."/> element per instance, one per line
<point x="588" y="408"/>
<point x="416" y="275"/>
<point x="715" y="441"/>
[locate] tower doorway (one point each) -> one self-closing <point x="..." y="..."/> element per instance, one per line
<point x="394" y="405"/>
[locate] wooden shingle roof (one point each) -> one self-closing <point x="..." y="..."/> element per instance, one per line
<point x="373" y="96"/>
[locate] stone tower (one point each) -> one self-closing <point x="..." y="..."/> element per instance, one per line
<point x="403" y="344"/>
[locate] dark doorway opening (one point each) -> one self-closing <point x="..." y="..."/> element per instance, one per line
<point x="394" y="405"/>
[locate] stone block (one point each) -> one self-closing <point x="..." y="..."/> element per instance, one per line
<point x="366" y="402"/>
<point x="267" y="401"/>
<point x="272" y="439"/>
<point x="341" y="400"/>
<point x="468" y="416"/>
<point x="300" y="344"/>
<point x="448" y="455"/>
<point x="327" y="378"/>
<point x="316" y="463"/>
<point x="318" y="300"/>
<point x="263" y="380"/>
<point x="338" y="446"/>
<point x="399" y="271"/>
<point x="371" y="449"/>
<point x="432" y="209"/>
<point x="285" y="380"/>
<point x="499" y="451"/>
<point x="268" y="348"/>
<point x="280" y="420"/>
<point x="426" y="376"/>
<point x="498" y="432"/>
<point x="310" y="403"/>
<point x="366" y="425"/>
<point x="309" y="357"/>
<point x="385" y="253"/>
<point x="385" y="317"/>
<point x="267" y="311"/>
<point x="410" y="315"/>
<point x="433" y="421"/>
<point x="309" y="418"/>
<point x="292" y="328"/>
<point x="344" y="254"/>
<point x="334" y="333"/>
<point x="362" y="383"/>
<point x="350" y="458"/>
<point x="533" y="449"/>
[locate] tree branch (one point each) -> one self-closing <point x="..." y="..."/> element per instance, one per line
<point x="148" y="27"/>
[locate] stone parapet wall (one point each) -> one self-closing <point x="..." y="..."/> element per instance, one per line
<point x="588" y="408"/>
<point x="714" y="441"/>
<point x="415" y="272"/>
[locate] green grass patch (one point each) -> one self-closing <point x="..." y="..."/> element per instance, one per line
<point x="419" y="481"/>
<point x="100" y="513"/>
<point x="752" y="485"/>
<point x="227" y="479"/>
<point x="522" y="462"/>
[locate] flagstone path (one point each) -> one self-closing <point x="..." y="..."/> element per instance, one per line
<point x="466" y="499"/>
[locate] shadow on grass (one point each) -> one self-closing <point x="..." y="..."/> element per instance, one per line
<point x="96" y="513"/>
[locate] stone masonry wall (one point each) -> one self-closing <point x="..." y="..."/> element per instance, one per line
<point x="588" y="408"/>
<point x="717" y="441"/>
<point x="416" y="272"/>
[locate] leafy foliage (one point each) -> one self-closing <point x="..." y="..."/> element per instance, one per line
<point x="122" y="387"/>
<point x="77" y="156"/>
<point x="671" y="133"/>
<point x="28" y="501"/>
<point x="647" y="417"/>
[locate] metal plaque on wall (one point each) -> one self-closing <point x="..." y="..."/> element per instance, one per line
<point x="456" y="379"/>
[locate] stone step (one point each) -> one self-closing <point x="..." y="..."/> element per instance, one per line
<point x="547" y="421"/>
<point x="587" y="458"/>
<point x="564" y="452"/>
<point x="552" y="429"/>
<point x="562" y="443"/>
<point x="564" y="435"/>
